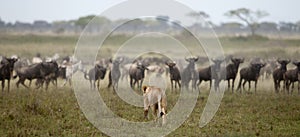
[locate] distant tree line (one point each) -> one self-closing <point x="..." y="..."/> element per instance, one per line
<point x="249" y="24"/>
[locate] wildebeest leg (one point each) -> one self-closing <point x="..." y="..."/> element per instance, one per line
<point x="91" y="87"/>
<point x="131" y="82"/>
<point x="3" y="83"/>
<point x="299" y="85"/>
<point x="70" y="82"/>
<point x="54" y="82"/>
<point x="232" y="85"/>
<point x="23" y="83"/>
<point x="210" y="83"/>
<point x="66" y="80"/>
<point x="30" y="82"/>
<point x="134" y="83"/>
<point x="255" y="85"/>
<point x="287" y="85"/>
<point x="38" y="83"/>
<point x="292" y="87"/>
<point x="47" y="83"/>
<point x="98" y="84"/>
<point x="172" y="85"/>
<point x="193" y="84"/>
<point x="228" y="81"/>
<point x="249" y="83"/>
<point x="94" y="84"/>
<point x="278" y="85"/>
<point x="244" y="84"/>
<point x="275" y="86"/>
<point x="141" y="84"/>
<point x="18" y="82"/>
<point x="109" y="80"/>
<point x="8" y="85"/>
<point x="240" y="84"/>
<point x="283" y="86"/>
<point x="216" y="85"/>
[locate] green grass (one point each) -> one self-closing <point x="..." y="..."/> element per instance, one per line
<point x="56" y="113"/>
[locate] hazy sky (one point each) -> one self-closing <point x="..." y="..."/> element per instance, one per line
<point x="51" y="10"/>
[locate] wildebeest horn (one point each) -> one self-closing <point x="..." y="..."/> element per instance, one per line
<point x="187" y="59"/>
<point x="196" y="58"/>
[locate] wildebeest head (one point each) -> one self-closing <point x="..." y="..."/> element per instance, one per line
<point x="297" y="63"/>
<point x="100" y="69"/>
<point x="191" y="65"/>
<point x="216" y="68"/>
<point x="257" y="66"/>
<point x="117" y="62"/>
<point x="217" y="64"/>
<point x="237" y="61"/>
<point x="283" y="64"/>
<point x="142" y="66"/>
<point x="8" y="62"/>
<point x="171" y="64"/>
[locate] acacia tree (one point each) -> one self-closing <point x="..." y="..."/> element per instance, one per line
<point x="251" y="18"/>
<point x="198" y="15"/>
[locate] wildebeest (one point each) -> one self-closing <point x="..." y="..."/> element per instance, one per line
<point x="231" y="71"/>
<point x="115" y="73"/>
<point x="249" y="74"/>
<point x="97" y="73"/>
<point x="6" y="71"/>
<point x="174" y="74"/>
<point x="267" y="71"/>
<point x="278" y="74"/>
<point x="155" y="98"/>
<point x="210" y="73"/>
<point x="137" y="74"/>
<point x="71" y="70"/>
<point x="36" y="71"/>
<point x="291" y="76"/>
<point x="189" y="73"/>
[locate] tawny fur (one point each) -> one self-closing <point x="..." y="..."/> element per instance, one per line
<point x="155" y="98"/>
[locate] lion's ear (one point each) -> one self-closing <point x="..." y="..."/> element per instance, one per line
<point x="144" y="88"/>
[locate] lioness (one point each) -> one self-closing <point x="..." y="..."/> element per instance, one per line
<point x="155" y="98"/>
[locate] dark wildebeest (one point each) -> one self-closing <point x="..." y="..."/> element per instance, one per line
<point x="6" y="70"/>
<point x="291" y="76"/>
<point x="210" y="73"/>
<point x="174" y="74"/>
<point x="189" y="73"/>
<point x="137" y="73"/>
<point x="36" y="71"/>
<point x="249" y="74"/>
<point x="115" y="73"/>
<point x="278" y="74"/>
<point x="60" y="73"/>
<point x="97" y="73"/>
<point x="231" y="71"/>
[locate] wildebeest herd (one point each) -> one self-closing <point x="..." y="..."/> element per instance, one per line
<point x="46" y="71"/>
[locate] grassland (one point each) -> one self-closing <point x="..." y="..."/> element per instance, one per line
<point x="56" y="112"/>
